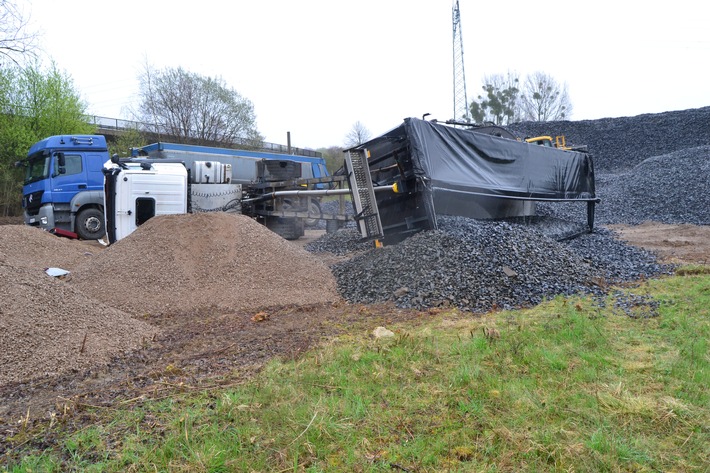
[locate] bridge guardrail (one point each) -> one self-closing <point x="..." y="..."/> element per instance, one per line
<point x="118" y="124"/>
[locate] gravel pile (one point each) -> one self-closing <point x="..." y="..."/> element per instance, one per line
<point x="342" y="242"/>
<point x="618" y="144"/>
<point x="47" y="327"/>
<point x="671" y="188"/>
<point x="36" y="248"/>
<point x="182" y="263"/>
<point x="333" y="207"/>
<point x="480" y="265"/>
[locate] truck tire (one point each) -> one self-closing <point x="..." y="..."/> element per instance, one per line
<point x="314" y="209"/>
<point x="332" y="226"/>
<point x="286" y="228"/>
<point x="90" y="224"/>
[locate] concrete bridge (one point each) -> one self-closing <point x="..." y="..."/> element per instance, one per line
<point x="112" y="128"/>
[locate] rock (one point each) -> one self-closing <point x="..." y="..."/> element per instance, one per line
<point x="401" y="292"/>
<point x="509" y="272"/>
<point x="381" y="332"/>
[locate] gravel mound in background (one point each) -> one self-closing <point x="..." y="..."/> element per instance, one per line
<point x="182" y="263"/>
<point x="619" y="144"/>
<point x="480" y="265"/>
<point x="671" y="188"/>
<point x="47" y="327"/>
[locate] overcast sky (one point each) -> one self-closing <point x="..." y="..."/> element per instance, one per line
<point x="315" y="67"/>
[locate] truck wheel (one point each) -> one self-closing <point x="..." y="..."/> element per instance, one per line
<point x="286" y="228"/>
<point x="90" y="224"/>
<point x="314" y="209"/>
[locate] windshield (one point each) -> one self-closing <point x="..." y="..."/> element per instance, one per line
<point x="37" y="168"/>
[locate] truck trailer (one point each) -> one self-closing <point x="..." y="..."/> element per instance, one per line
<point x="481" y="172"/>
<point x="139" y="188"/>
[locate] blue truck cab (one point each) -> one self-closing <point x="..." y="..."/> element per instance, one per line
<point x="63" y="186"/>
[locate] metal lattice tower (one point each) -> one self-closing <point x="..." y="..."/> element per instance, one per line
<point x="460" y="97"/>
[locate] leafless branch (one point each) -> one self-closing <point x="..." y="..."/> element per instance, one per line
<point x="16" y="41"/>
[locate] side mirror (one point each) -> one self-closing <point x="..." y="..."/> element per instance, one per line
<point x="61" y="160"/>
<point x="20" y="164"/>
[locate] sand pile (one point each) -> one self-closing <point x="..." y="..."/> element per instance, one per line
<point x="181" y="263"/>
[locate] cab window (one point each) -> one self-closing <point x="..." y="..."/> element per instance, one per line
<point x="72" y="164"/>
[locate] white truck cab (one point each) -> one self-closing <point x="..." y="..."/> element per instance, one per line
<point x="140" y="191"/>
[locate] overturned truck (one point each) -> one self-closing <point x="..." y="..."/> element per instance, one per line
<point x="478" y="172"/>
<point x="399" y="182"/>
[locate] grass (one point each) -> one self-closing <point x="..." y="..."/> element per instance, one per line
<point x="569" y="385"/>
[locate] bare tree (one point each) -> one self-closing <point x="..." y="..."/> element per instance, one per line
<point x="16" y="41"/>
<point x="196" y="109"/>
<point x="544" y="99"/>
<point x="357" y="135"/>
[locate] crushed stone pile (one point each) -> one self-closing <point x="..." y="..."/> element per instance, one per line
<point x="480" y="265"/>
<point x="619" y="144"/>
<point x="342" y="242"/>
<point x="671" y="188"/>
<point x="48" y="328"/>
<point x="333" y="207"/>
<point x="183" y="263"/>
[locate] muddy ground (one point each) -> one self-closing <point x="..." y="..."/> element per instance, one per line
<point x="678" y="244"/>
<point x="209" y="348"/>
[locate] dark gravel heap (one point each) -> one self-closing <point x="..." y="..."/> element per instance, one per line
<point x="333" y="207"/>
<point x="553" y="227"/>
<point x="672" y="188"/>
<point x="618" y="144"/>
<point x="342" y="242"/>
<point x="479" y="265"/>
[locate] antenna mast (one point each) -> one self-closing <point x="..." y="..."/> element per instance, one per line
<point x="460" y="97"/>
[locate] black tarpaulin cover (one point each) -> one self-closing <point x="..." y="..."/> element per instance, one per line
<point x="443" y="170"/>
<point x="465" y="161"/>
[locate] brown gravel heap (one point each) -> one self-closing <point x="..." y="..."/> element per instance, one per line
<point x="182" y="263"/>
<point x="47" y="327"/>
<point x="35" y="248"/>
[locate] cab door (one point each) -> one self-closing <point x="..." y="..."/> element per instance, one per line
<point x="68" y="174"/>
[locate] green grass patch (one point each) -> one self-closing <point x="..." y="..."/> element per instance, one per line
<point x="571" y="384"/>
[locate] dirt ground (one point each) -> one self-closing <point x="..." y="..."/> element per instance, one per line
<point x="209" y="348"/>
<point x="682" y="244"/>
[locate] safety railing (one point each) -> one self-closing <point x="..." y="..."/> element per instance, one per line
<point x="118" y="124"/>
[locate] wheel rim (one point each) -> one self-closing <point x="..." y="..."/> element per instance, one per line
<point x="92" y="224"/>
